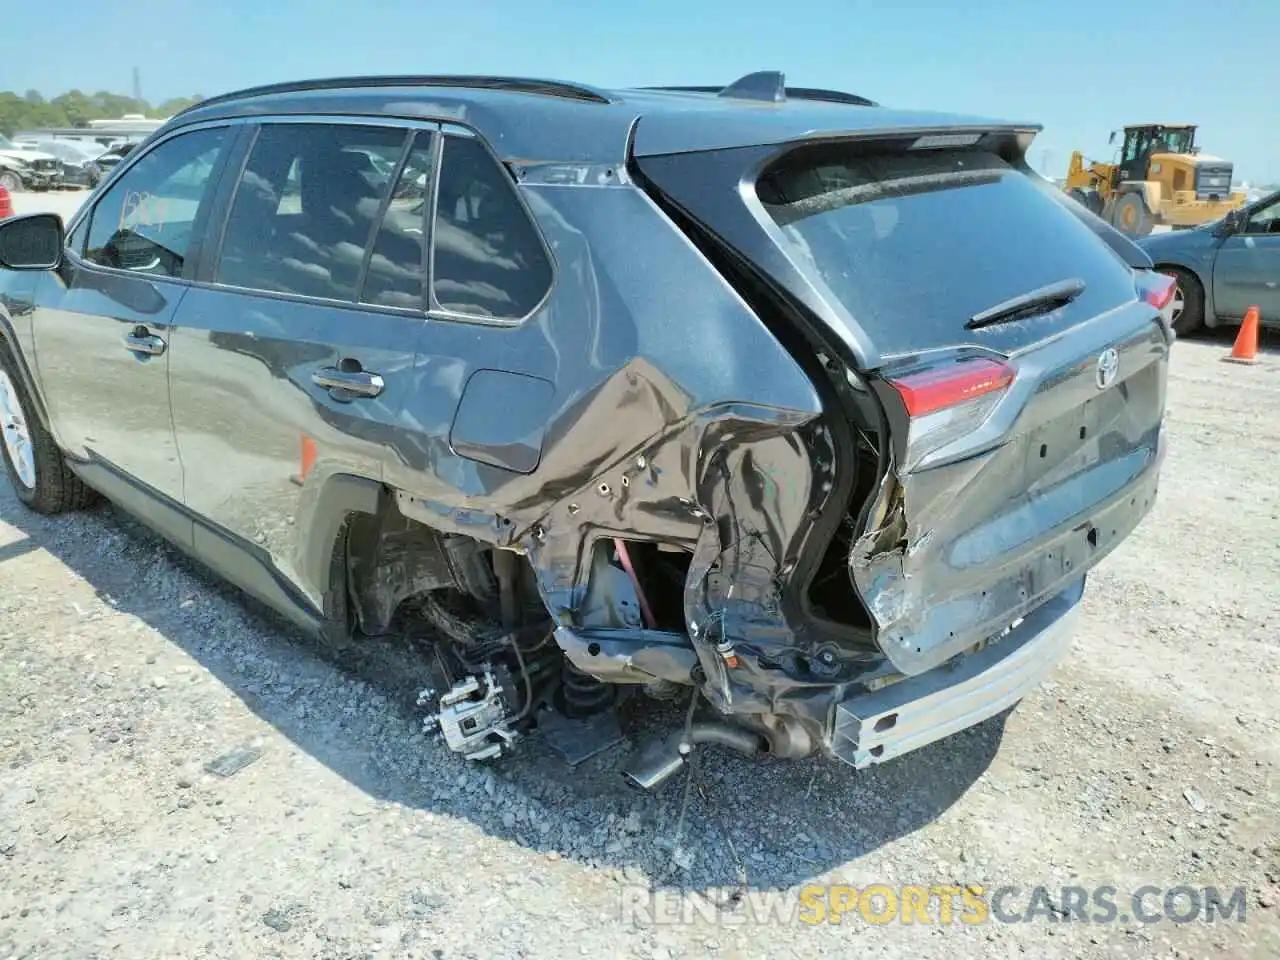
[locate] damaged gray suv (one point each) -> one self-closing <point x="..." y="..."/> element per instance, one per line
<point x="819" y="410"/>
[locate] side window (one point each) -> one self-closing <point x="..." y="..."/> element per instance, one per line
<point x="1265" y="219"/>
<point x="488" y="260"/>
<point x="305" y="206"/>
<point x="144" y="223"/>
<point x="1135" y="145"/>
<point x="395" y="274"/>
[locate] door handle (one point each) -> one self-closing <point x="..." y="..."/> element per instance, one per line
<point x="346" y="384"/>
<point x="143" y="342"/>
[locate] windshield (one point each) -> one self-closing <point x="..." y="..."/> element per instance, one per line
<point x="6" y="143"/>
<point x="67" y="151"/>
<point x="1175" y="141"/>
<point x="913" y="244"/>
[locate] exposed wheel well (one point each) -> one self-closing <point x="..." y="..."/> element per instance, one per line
<point x="393" y="560"/>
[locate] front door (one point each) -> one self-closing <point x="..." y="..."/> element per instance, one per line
<point x="103" y="324"/>
<point x="1247" y="270"/>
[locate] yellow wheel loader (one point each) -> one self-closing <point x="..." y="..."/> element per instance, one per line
<point x="1160" y="179"/>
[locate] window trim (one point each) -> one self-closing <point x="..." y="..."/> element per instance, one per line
<point x="237" y="156"/>
<point x="84" y="216"/>
<point x="406" y="152"/>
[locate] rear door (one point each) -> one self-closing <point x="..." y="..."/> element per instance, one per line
<point x="295" y="351"/>
<point x="1246" y="272"/>
<point x="104" y="322"/>
<point x="1020" y="371"/>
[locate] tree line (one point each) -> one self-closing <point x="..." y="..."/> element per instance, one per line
<point x="76" y="108"/>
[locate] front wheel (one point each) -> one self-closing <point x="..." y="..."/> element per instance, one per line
<point x="37" y="472"/>
<point x="1089" y="198"/>
<point x="1187" y="311"/>
<point x="1131" y="216"/>
<point x="10" y="181"/>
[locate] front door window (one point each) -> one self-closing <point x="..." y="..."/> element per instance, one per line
<point x="145" y="222"/>
<point x="1265" y="219"/>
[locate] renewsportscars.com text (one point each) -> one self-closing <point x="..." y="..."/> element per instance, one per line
<point x="940" y="904"/>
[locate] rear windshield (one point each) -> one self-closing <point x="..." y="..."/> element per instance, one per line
<point x="914" y="244"/>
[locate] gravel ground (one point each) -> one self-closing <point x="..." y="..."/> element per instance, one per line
<point x="1149" y="758"/>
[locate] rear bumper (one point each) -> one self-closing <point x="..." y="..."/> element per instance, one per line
<point x="882" y="724"/>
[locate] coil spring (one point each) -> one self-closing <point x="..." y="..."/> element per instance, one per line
<point x="583" y="694"/>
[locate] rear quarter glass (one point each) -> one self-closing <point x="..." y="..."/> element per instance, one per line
<point x="913" y="244"/>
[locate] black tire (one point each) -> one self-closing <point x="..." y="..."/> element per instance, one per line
<point x="1131" y="216"/>
<point x="55" y="488"/>
<point x="338" y="632"/>
<point x="10" y="181"/>
<point x="1088" y="198"/>
<point x="1190" y="317"/>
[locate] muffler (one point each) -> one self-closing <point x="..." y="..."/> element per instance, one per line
<point x="654" y="764"/>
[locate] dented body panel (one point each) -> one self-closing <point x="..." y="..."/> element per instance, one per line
<point x="693" y="444"/>
<point x="1060" y="473"/>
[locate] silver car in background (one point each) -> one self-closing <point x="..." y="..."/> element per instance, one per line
<point x="78" y="163"/>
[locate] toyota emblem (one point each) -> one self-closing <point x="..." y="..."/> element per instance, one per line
<point x="1108" y="367"/>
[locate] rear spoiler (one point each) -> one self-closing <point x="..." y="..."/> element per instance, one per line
<point x="722" y="123"/>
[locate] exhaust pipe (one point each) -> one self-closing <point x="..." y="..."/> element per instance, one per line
<point x="656" y="763"/>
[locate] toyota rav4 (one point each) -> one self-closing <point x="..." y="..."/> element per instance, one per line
<point x="818" y="409"/>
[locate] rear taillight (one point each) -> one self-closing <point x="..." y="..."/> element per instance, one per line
<point x="1156" y="289"/>
<point x="6" y="207"/>
<point x="932" y="389"/>
<point x="948" y="401"/>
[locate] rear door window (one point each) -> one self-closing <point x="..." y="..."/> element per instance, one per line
<point x="305" y="207"/>
<point x="488" y="258"/>
<point x="914" y="243"/>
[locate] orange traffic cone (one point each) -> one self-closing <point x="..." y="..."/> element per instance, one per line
<point x="1246" y="345"/>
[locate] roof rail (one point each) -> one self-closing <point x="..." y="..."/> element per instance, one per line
<point x="548" y="88"/>
<point x="769" y="86"/>
<point x="835" y="96"/>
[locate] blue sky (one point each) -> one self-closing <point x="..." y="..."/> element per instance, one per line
<point x="1080" y="70"/>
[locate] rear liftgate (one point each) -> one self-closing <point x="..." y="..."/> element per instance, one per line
<point x="1021" y="366"/>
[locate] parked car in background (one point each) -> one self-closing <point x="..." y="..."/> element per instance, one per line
<point x="79" y="166"/>
<point x="34" y="169"/>
<point x="815" y="411"/>
<point x="1223" y="268"/>
<point x="109" y="159"/>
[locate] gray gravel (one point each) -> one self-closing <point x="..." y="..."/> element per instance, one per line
<point x="181" y="775"/>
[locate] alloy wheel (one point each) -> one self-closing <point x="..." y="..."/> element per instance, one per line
<point x="16" y="433"/>
<point x="1177" y="305"/>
